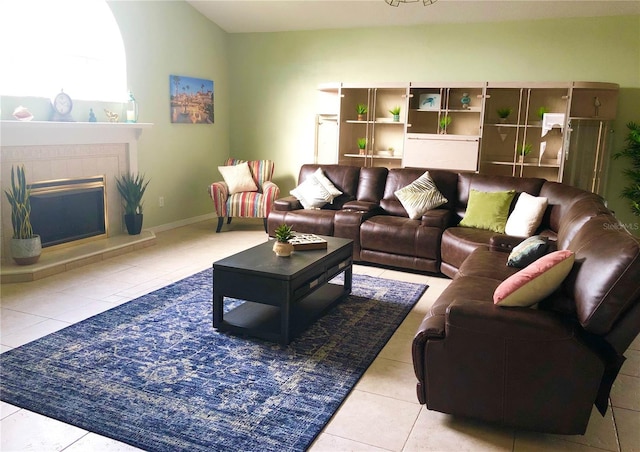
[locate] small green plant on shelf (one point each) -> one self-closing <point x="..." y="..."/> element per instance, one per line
<point x="444" y="122"/>
<point x="504" y="112"/>
<point x="541" y="111"/>
<point x="395" y="110"/>
<point x="361" y="110"/>
<point x="632" y="150"/>
<point x="283" y="233"/>
<point x="362" y="144"/>
<point x="524" y="150"/>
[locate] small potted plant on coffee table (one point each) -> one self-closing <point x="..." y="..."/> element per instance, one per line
<point x="282" y="247"/>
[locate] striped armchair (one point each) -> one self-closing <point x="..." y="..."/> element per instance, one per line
<point x="249" y="204"/>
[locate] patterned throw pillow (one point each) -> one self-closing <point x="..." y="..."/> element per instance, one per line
<point x="488" y="210"/>
<point x="420" y="196"/>
<point x="327" y="184"/>
<point x="311" y="193"/>
<point x="527" y="251"/>
<point x="238" y="178"/>
<point x="536" y="281"/>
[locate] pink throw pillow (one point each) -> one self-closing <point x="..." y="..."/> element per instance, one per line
<point x="536" y="281"/>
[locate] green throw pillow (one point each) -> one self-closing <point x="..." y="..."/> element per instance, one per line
<point x="488" y="210"/>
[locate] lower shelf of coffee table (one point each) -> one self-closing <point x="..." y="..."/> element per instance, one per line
<point x="263" y="321"/>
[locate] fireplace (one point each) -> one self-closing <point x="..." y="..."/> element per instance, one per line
<point x="68" y="210"/>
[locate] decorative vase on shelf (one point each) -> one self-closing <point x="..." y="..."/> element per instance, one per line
<point x="465" y="101"/>
<point x="360" y="117"/>
<point x="396" y="118"/>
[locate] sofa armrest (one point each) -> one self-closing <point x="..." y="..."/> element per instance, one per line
<point x="504" y="243"/>
<point x="287" y="203"/>
<point x="436" y="218"/>
<point x="483" y="317"/>
<point x="361" y="206"/>
<point x="271" y="192"/>
<point x="219" y="192"/>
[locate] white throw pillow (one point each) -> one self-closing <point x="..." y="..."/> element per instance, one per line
<point x="311" y="193"/>
<point x="238" y="178"/>
<point x="420" y="196"/>
<point x="327" y="184"/>
<point x="526" y="216"/>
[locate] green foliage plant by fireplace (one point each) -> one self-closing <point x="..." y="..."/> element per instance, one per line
<point x="632" y="151"/>
<point x="19" y="198"/>
<point x="132" y="188"/>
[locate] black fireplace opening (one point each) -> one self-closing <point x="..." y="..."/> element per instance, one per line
<point x="69" y="210"/>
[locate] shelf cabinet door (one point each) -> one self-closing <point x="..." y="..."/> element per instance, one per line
<point x="441" y="153"/>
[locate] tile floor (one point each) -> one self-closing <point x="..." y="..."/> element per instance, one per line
<point x="380" y="414"/>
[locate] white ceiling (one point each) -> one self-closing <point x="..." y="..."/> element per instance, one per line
<point x="246" y="16"/>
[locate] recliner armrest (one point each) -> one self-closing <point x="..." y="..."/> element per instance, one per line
<point x="437" y="218"/>
<point x="483" y="317"/>
<point x="504" y="243"/>
<point x="287" y="203"/>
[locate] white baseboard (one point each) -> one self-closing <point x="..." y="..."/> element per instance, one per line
<point x="180" y="223"/>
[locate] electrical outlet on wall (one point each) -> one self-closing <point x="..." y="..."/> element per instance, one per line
<point x="161" y="201"/>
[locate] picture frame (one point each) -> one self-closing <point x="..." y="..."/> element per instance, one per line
<point x="191" y="100"/>
<point x="429" y="102"/>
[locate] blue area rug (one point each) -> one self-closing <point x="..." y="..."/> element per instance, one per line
<point x="154" y="373"/>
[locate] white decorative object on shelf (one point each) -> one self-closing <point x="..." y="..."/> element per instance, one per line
<point x="429" y="102"/>
<point x="551" y="119"/>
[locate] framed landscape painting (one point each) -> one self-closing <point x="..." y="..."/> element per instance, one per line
<point x="191" y="100"/>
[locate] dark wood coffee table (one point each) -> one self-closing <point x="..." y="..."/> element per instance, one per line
<point x="283" y="295"/>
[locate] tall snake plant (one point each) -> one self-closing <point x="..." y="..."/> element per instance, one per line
<point x="18" y="197"/>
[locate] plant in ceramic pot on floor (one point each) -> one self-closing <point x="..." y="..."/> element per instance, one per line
<point x="282" y="247"/>
<point x="132" y="188"/>
<point x="26" y="246"/>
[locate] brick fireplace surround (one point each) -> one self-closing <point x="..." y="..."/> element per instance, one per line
<point x="55" y="150"/>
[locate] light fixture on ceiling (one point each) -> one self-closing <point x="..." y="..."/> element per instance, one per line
<point x="397" y="2"/>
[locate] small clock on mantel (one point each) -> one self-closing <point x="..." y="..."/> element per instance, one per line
<point x="62" y="106"/>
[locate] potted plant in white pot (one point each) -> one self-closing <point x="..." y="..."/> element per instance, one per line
<point x="132" y="188"/>
<point x="26" y="246"/>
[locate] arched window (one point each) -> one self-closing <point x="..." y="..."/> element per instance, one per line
<point x="73" y="45"/>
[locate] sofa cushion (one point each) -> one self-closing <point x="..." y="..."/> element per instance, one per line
<point x="401" y="236"/>
<point x="488" y="210"/>
<point x="486" y="264"/>
<point x="420" y="196"/>
<point x="536" y="281"/>
<point x="343" y="177"/>
<point x="526" y="216"/>
<point x="528" y="251"/>
<point x="238" y="178"/>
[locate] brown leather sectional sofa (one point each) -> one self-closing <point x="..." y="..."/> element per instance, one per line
<point x="540" y="369"/>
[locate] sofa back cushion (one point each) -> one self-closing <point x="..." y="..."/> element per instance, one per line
<point x="371" y="184"/>
<point x="484" y="183"/>
<point x="344" y="178"/>
<point x="604" y="280"/>
<point x="445" y="181"/>
<point x="560" y="198"/>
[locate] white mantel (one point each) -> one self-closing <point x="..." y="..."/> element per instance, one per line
<point x="65" y="150"/>
<point x="51" y="133"/>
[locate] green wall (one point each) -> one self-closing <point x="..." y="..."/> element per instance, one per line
<point x="172" y="38"/>
<point x="265" y="84"/>
<point x="275" y="75"/>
